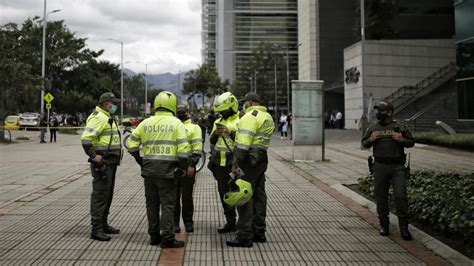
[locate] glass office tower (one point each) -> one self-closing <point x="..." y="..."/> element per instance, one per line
<point x="464" y="19"/>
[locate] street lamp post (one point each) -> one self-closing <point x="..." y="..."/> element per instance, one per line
<point x="43" y="61"/>
<point x="287" y="81"/>
<point x="121" y="79"/>
<point x="276" y="91"/>
<point x="255" y="81"/>
<point x="146" y="86"/>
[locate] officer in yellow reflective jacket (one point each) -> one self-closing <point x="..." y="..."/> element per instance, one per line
<point x="222" y="145"/>
<point x="165" y="157"/>
<point x="101" y="142"/>
<point x="184" y="194"/>
<point x="251" y="160"/>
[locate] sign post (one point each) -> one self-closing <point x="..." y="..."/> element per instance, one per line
<point x="48" y="98"/>
<point x="308" y="119"/>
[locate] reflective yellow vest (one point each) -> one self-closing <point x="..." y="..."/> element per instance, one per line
<point x="221" y="152"/>
<point x="254" y="133"/>
<point x="100" y="128"/>
<point x="164" y="141"/>
<point x="194" y="134"/>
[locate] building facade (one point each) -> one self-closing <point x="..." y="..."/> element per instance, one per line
<point x="232" y="29"/>
<point x="464" y="10"/>
<point x="209" y="28"/>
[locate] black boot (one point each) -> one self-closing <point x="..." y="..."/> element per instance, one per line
<point x="384" y="231"/>
<point x="259" y="238"/>
<point x="228" y="227"/>
<point x="155" y="239"/>
<point x="189" y="228"/>
<point x="246" y="243"/>
<point x="172" y="244"/>
<point x="99" y="235"/>
<point x="405" y="234"/>
<point x="384" y="227"/>
<point x="111" y="230"/>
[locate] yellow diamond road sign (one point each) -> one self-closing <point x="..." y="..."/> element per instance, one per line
<point x="48" y="97"/>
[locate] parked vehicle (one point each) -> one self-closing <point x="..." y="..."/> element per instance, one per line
<point x="29" y="120"/>
<point x="12" y="122"/>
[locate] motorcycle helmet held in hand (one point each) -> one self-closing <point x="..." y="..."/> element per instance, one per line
<point x="240" y="193"/>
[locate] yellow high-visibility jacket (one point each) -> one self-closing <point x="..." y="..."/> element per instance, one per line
<point x="100" y="131"/>
<point x="220" y="154"/>
<point x="165" y="145"/>
<point x="194" y="134"/>
<point x="253" y="136"/>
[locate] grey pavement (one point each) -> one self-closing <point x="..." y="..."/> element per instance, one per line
<point x="47" y="219"/>
<point x="346" y="161"/>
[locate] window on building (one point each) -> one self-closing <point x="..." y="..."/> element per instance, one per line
<point x="466" y="99"/>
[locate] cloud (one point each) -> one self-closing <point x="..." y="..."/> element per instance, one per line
<point x="162" y="33"/>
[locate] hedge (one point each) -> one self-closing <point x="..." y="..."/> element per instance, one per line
<point x="463" y="141"/>
<point x="67" y="130"/>
<point x="444" y="201"/>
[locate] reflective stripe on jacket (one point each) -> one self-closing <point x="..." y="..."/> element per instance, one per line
<point x="99" y="129"/>
<point x="221" y="153"/>
<point x="165" y="144"/>
<point x="194" y="134"/>
<point x="253" y="135"/>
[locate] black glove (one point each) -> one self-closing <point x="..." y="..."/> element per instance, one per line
<point x="138" y="158"/>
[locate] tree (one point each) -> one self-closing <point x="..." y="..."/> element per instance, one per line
<point x="17" y="84"/>
<point x="261" y="65"/>
<point x="203" y="82"/>
<point x="73" y="74"/>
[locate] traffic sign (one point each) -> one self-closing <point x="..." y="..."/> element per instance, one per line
<point x="48" y="97"/>
<point x="48" y="106"/>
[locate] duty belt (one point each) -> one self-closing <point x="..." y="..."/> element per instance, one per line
<point x="390" y="160"/>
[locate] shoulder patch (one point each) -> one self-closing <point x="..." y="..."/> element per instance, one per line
<point x="255" y="113"/>
<point x="95" y="113"/>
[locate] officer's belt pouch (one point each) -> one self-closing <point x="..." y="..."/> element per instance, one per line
<point x="99" y="171"/>
<point x="111" y="159"/>
<point x="391" y="160"/>
<point x="211" y="165"/>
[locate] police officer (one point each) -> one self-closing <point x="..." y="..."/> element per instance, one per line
<point x="222" y="145"/>
<point x="165" y="157"/>
<point x="184" y="193"/>
<point x="251" y="160"/>
<point x="389" y="138"/>
<point x="101" y="142"/>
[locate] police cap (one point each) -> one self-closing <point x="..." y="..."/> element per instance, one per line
<point x="108" y="97"/>
<point x="384" y="106"/>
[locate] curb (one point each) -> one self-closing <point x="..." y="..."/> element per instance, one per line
<point x="428" y="241"/>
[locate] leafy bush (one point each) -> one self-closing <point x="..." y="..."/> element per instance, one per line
<point x="444" y="201"/>
<point x="463" y="141"/>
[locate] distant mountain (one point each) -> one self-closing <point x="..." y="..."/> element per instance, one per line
<point x="167" y="81"/>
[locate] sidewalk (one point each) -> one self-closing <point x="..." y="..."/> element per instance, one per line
<point x="308" y="223"/>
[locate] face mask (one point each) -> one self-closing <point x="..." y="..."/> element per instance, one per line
<point x="113" y="109"/>
<point x="182" y="116"/>
<point x="244" y="108"/>
<point x="381" y="116"/>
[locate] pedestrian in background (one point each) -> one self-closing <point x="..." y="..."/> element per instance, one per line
<point x="101" y="141"/>
<point x="54" y="124"/>
<point x="165" y="158"/>
<point x="388" y="139"/>
<point x="43" y="126"/>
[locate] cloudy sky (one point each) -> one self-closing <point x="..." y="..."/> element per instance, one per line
<point x="165" y="34"/>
